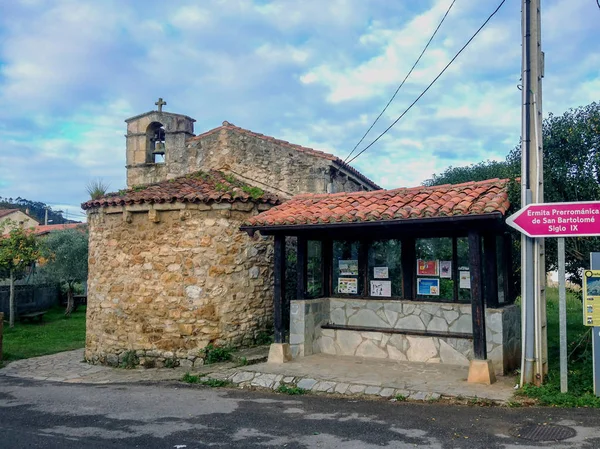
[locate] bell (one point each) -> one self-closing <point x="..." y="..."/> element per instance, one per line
<point x="159" y="148"/>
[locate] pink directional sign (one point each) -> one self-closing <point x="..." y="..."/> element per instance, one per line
<point x="558" y="219"/>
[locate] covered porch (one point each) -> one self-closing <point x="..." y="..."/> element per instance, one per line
<point x="408" y="275"/>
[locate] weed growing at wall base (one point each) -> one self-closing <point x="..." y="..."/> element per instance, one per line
<point x="216" y="383"/>
<point x="215" y="354"/>
<point x="291" y="390"/>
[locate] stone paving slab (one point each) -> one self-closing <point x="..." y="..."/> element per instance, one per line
<point x="318" y="373"/>
<point x="71" y="367"/>
<point x="353" y="375"/>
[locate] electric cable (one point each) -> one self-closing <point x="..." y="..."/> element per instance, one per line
<point x="430" y="84"/>
<point x="403" y="81"/>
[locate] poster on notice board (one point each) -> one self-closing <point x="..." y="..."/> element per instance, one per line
<point x="427" y="267"/>
<point x="348" y="286"/>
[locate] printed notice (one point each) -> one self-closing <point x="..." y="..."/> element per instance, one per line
<point x="427" y="286"/>
<point x="348" y="267"/>
<point x="591" y="298"/>
<point x="348" y="286"/>
<point x="381" y="288"/>
<point x="446" y="269"/>
<point x="427" y="267"/>
<point x="465" y="279"/>
<point x="380" y="272"/>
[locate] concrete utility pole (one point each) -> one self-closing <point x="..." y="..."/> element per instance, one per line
<point x="533" y="273"/>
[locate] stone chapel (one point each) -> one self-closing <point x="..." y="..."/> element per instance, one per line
<point x="170" y="272"/>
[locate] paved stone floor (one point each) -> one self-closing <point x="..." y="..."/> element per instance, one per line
<point x="319" y="373"/>
<point x="70" y="367"/>
<point x="353" y="375"/>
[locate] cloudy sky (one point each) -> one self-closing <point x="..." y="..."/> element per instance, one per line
<point x="314" y="72"/>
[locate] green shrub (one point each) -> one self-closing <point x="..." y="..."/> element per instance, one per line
<point x="291" y="390"/>
<point x="264" y="338"/>
<point x="171" y="363"/>
<point x="96" y="189"/>
<point x="192" y="379"/>
<point x="215" y="354"/>
<point x="215" y="383"/>
<point x="129" y="360"/>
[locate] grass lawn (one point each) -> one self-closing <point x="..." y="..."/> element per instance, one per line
<point x="579" y="352"/>
<point x="55" y="334"/>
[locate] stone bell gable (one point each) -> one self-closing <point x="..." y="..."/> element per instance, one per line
<point x="170" y="272"/>
<point x="156" y="146"/>
<point x="161" y="145"/>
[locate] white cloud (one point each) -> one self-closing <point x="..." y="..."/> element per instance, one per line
<point x="315" y="73"/>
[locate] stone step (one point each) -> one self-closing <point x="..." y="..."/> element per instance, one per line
<point x="246" y="378"/>
<point x="251" y="356"/>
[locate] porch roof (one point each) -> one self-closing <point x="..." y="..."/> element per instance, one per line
<point x="471" y="199"/>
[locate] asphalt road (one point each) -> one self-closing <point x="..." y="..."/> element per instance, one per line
<point x="58" y="415"/>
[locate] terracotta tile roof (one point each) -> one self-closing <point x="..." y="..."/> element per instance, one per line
<point x="471" y="198"/>
<point x="198" y="187"/>
<point x="5" y="212"/>
<point x="231" y="127"/>
<point x="45" y="229"/>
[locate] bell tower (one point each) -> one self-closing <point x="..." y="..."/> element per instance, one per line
<point x="156" y="147"/>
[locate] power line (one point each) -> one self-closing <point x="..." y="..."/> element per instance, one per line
<point x="430" y="84"/>
<point x="403" y="81"/>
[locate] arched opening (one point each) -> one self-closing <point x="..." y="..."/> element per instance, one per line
<point x="155" y="143"/>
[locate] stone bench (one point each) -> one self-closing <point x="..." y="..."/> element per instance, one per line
<point x="388" y="330"/>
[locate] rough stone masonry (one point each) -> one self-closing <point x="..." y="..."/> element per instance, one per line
<point x="166" y="283"/>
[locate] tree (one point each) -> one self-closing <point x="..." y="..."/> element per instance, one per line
<point x="18" y="251"/>
<point x="67" y="260"/>
<point x="571" y="173"/>
<point x="476" y="172"/>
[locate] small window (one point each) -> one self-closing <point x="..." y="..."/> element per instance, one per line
<point x="314" y="269"/>
<point x="385" y="268"/>
<point x="346" y="279"/>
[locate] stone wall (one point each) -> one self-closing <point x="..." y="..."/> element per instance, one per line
<point x="503" y="332"/>
<point x="168" y="280"/>
<point x="17" y="219"/>
<point x="276" y="168"/>
<point x="264" y="163"/>
<point x="306" y="319"/>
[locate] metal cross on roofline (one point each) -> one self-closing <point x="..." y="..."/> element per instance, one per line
<point x="160" y="103"/>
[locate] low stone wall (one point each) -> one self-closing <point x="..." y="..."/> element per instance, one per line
<point x="503" y="331"/>
<point x="306" y="319"/>
<point x="165" y="283"/>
